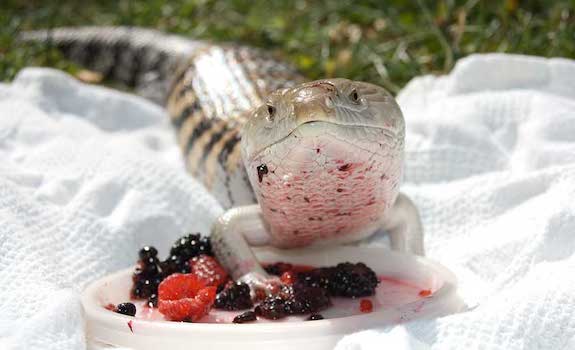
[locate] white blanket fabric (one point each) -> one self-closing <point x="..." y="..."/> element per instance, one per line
<point x="88" y="175"/>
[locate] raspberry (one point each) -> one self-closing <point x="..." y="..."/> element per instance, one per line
<point x="234" y="297"/>
<point x="207" y="269"/>
<point x="185" y="297"/>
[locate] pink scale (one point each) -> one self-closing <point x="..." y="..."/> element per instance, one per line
<point x="411" y="288"/>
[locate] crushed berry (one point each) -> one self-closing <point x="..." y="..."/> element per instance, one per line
<point x="365" y="306"/>
<point x="278" y="269"/>
<point x="288" y="277"/>
<point x="128" y="309"/>
<point x="248" y="316"/>
<point x="234" y="297"/>
<point x="425" y="293"/>
<point x="315" y="317"/>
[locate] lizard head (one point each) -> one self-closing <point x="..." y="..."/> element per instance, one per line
<point x="347" y="109"/>
<point x="324" y="159"/>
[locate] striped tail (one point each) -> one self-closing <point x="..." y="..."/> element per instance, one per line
<point x="142" y="59"/>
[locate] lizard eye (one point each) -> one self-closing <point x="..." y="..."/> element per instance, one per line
<point x="271" y="112"/>
<point x="354" y="96"/>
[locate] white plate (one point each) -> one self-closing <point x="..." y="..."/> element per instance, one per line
<point x="106" y="327"/>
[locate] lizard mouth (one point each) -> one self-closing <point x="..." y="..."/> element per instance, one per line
<point x="343" y="131"/>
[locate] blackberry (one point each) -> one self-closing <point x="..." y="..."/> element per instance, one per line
<point x="320" y="277"/>
<point x="191" y="246"/>
<point x="272" y="308"/>
<point x="248" y="316"/>
<point x="353" y="280"/>
<point x="278" y="269"/>
<point x="153" y="300"/>
<point x="126" y="309"/>
<point x="315" y="317"/>
<point x="235" y="297"/>
<point x="147" y="252"/>
<point x="344" y="280"/>
<point x="293" y="301"/>
<point x="147" y="276"/>
<point x="183" y="250"/>
<point x="310" y="299"/>
<point x="174" y="264"/>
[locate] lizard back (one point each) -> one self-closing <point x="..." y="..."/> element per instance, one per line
<point x="208" y="90"/>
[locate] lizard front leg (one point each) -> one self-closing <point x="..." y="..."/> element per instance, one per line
<point x="403" y="225"/>
<point x="232" y="235"/>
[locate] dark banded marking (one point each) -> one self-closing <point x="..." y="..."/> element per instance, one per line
<point x="213" y="140"/>
<point x="229" y="147"/>
<point x="186" y="130"/>
<point x="191" y="109"/>
<point x="199" y="148"/>
<point x="210" y="163"/>
<point x="202" y="127"/>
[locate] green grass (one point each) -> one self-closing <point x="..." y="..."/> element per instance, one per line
<point x="385" y="42"/>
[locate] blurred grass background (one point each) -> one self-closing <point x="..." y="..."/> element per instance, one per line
<point x="385" y="42"/>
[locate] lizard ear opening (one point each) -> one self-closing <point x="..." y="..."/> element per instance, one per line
<point x="271" y="112"/>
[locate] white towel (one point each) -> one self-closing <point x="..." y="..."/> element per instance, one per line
<point x="88" y="175"/>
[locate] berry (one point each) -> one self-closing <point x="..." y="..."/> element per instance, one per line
<point x="271" y="308"/>
<point x="153" y="300"/>
<point x="310" y="299"/>
<point x="191" y="246"/>
<point x="126" y="309"/>
<point x="315" y="317"/>
<point x="288" y="277"/>
<point x="208" y="269"/>
<point x="293" y="300"/>
<point x="183" y="250"/>
<point x="147" y="252"/>
<point x="278" y="269"/>
<point x="343" y="280"/>
<point x="234" y="297"/>
<point x="315" y="278"/>
<point x="247" y="316"/>
<point x="185" y="297"/>
<point x="424" y="293"/>
<point x="147" y="275"/>
<point x="353" y="280"/>
<point x="365" y="306"/>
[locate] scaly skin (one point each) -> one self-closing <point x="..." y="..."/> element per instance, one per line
<point x="323" y="158"/>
